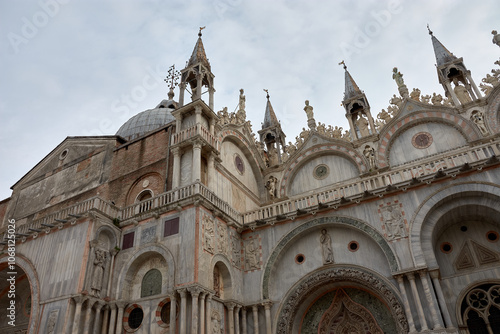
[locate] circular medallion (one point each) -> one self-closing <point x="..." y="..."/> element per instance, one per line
<point x="321" y="171"/>
<point x="422" y="140"/>
<point x="238" y="163"/>
<point x="145" y="183"/>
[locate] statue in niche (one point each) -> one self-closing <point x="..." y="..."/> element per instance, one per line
<point x="326" y="247"/>
<point x="217" y="287"/>
<point x="394" y="222"/>
<point x="252" y="258"/>
<point x="461" y="92"/>
<point x="216" y="326"/>
<point x="477" y="118"/>
<point x="242" y="100"/>
<point x="273" y="155"/>
<point x="369" y="153"/>
<point x="271" y="186"/>
<point x="496" y="37"/>
<point x="362" y="125"/>
<point x="209" y="234"/>
<point x="309" y="110"/>
<point x="436" y="99"/>
<point x="97" y="277"/>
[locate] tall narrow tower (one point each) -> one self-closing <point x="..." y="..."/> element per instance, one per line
<point x="197" y="75"/>
<point x="452" y="70"/>
<point x="357" y="109"/>
<point x="272" y="135"/>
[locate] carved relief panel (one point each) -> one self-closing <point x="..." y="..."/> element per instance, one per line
<point x="253" y="253"/>
<point x="392" y="218"/>
<point x="208" y="233"/>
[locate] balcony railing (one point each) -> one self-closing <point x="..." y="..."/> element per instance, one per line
<point x="193" y="131"/>
<point x="401" y="177"/>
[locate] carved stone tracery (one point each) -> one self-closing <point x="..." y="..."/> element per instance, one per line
<point x="331" y="275"/>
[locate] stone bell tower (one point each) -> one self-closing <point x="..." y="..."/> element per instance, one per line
<point x="452" y="70"/>
<point x="357" y="109"/>
<point x="194" y="145"/>
<point x="272" y="135"/>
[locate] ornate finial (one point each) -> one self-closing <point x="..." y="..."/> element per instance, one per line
<point x="430" y="31"/>
<point x="171" y="80"/>
<point x="267" y="92"/>
<point x="201" y="28"/>
<point x="343" y="64"/>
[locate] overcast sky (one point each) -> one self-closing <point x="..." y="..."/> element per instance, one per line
<point x="79" y="68"/>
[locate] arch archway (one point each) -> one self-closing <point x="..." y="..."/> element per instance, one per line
<point x="332" y="279"/>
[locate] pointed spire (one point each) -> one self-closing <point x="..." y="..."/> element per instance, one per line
<point x="198" y="55"/>
<point x="270" y="118"/>
<point x="443" y="55"/>
<point x="351" y="88"/>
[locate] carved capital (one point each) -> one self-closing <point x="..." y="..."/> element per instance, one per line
<point x="121" y="304"/>
<point x="176" y="151"/>
<point x="434" y="273"/>
<point x="267" y="304"/>
<point x="195" y="291"/>
<point x="230" y="305"/>
<point x="79" y="299"/>
<point x="182" y="292"/>
<point x="411" y="276"/>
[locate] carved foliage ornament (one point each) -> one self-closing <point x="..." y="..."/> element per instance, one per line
<point x="339" y="274"/>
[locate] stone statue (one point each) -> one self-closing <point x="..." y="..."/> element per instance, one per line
<point x="271" y="186"/>
<point x="252" y="258"/>
<point x="290" y="149"/>
<point x="337" y="132"/>
<point x="241" y="116"/>
<point x="236" y="252"/>
<point x="415" y="94"/>
<point x="321" y="128"/>
<point x="326" y="247"/>
<point x="369" y="153"/>
<point x="304" y="133"/>
<point x="99" y="262"/>
<point x="486" y="89"/>
<point x="242" y="100"/>
<point x="222" y="238"/>
<point x="225" y="116"/>
<point x="384" y="116"/>
<point x="216" y="320"/>
<point x="496" y="37"/>
<point x="398" y="77"/>
<point x="217" y="288"/>
<point x="436" y="99"/>
<point x="309" y="110"/>
<point x="425" y="98"/>
<point x="362" y="125"/>
<point x="477" y="118"/>
<point x="490" y="79"/>
<point x="396" y="101"/>
<point x="273" y="156"/>
<point x="462" y="94"/>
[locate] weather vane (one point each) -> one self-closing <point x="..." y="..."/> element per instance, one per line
<point x="172" y="77"/>
<point x="201" y="28"/>
<point x="430" y="32"/>
<point x="267" y="92"/>
<point x="343" y="64"/>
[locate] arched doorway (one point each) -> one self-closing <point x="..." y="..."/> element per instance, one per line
<point x="338" y="299"/>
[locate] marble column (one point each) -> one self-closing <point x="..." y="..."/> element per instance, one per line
<point x="195" y="317"/>
<point x="112" y="318"/>
<point x="211" y="91"/>
<point x="211" y="171"/>
<point x="416" y="298"/>
<point x="452" y="93"/>
<point x="196" y="166"/>
<point x="267" y="308"/>
<point x="183" y="294"/>
<point x="70" y="312"/>
<point x="442" y="301"/>
<point x="237" y="319"/>
<point x="97" y="319"/>
<point x="113" y="253"/>
<point x="244" y="320"/>
<point x="173" y="312"/>
<point x="428" y="295"/>
<point x="209" y="313"/>
<point x="473" y="84"/>
<point x="105" y="320"/>
<point x="182" y="88"/>
<point x="176" y="170"/>
<point x="119" y="318"/>
<point x="255" y="310"/>
<point x="79" y="300"/>
<point x="230" y="314"/>
<point x="202" y="312"/>
<point x="88" y="314"/>
<point x="409" y="316"/>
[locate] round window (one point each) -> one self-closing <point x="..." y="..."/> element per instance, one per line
<point x="135" y="318"/>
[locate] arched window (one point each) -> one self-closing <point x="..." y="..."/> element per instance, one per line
<point x="151" y="283"/>
<point x="481" y="309"/>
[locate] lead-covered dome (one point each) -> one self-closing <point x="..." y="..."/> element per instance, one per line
<point x="148" y="120"/>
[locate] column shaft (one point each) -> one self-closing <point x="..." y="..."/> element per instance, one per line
<point x="244" y="320"/>
<point x="428" y="295"/>
<point x="76" y="319"/>
<point x="195" y="317"/>
<point x="202" y="313"/>
<point x="119" y="319"/>
<point x="409" y="316"/>
<point x="209" y="314"/>
<point x="183" y="311"/>
<point x="86" y="325"/>
<point x="441" y="299"/>
<point x="105" y="321"/>
<point x="196" y="167"/>
<point x="176" y="170"/>
<point x="230" y="315"/>
<point x="237" y="319"/>
<point x="267" y="307"/>
<point x="112" y="320"/>
<point x="416" y="297"/>
<point x="173" y="310"/>
<point x="97" y="320"/>
<point x="255" y="319"/>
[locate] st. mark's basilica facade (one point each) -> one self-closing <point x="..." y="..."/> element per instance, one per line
<point x="186" y="221"/>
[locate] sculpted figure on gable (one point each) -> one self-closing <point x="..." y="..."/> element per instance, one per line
<point x="369" y="153"/>
<point x="436" y="99"/>
<point x="362" y="125"/>
<point x="271" y="184"/>
<point x="326" y="246"/>
<point x="478" y="119"/>
<point x="415" y="94"/>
